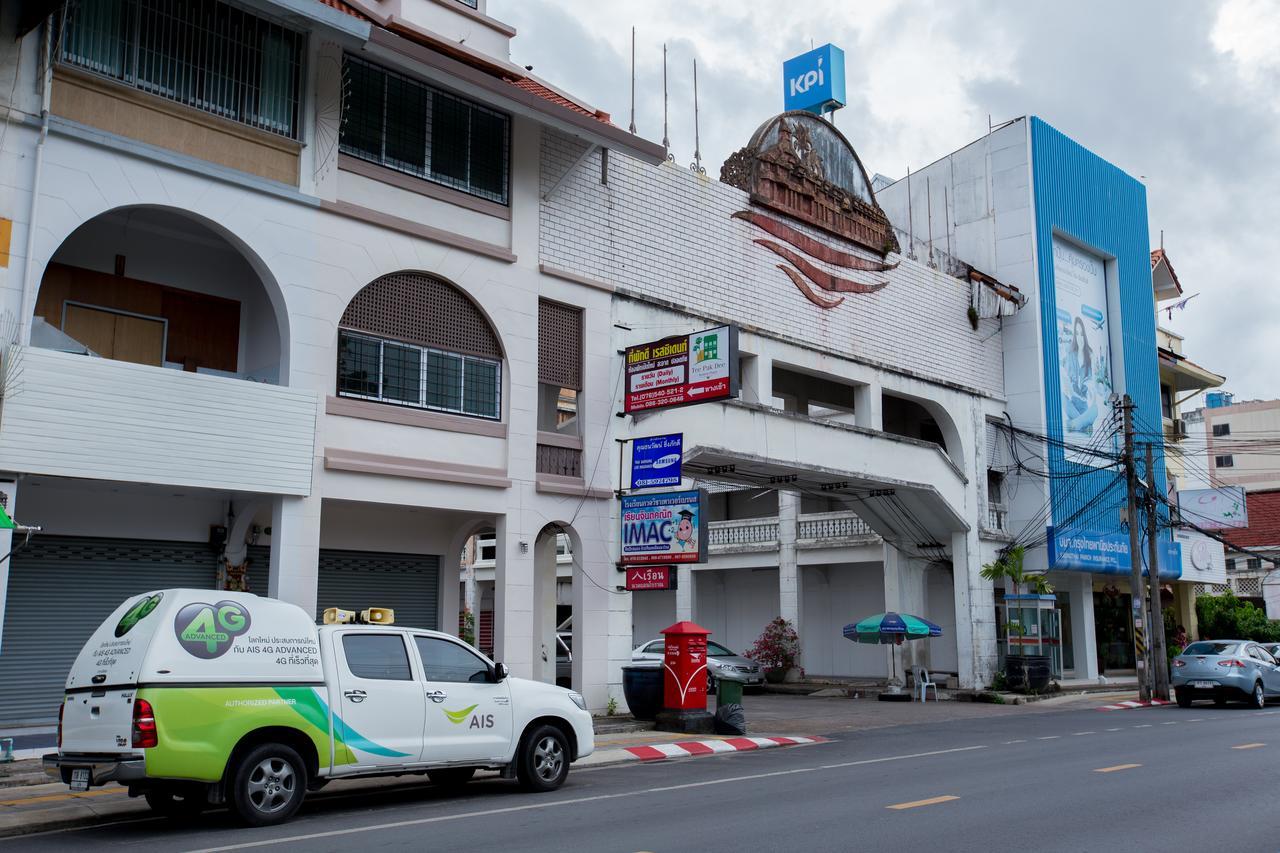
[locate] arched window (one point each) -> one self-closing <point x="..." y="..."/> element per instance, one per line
<point x="411" y="339"/>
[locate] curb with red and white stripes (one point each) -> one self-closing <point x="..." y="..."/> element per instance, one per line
<point x="689" y="748"/>
<point x="1133" y="703"/>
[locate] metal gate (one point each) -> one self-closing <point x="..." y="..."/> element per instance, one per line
<point x="407" y="583"/>
<point x="61" y="588"/>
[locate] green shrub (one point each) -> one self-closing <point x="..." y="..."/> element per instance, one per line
<point x="1225" y="617"/>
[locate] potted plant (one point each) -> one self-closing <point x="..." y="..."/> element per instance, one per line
<point x="1022" y="671"/>
<point x="776" y="650"/>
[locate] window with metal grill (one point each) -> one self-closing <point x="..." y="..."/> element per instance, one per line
<point x="201" y="53"/>
<point x="406" y="125"/>
<point x="1225" y="461"/>
<point x="411" y="339"/>
<point x="1221" y="429"/>
<point x="1254" y="563"/>
<point x="559" y="366"/>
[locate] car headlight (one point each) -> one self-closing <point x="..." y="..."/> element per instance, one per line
<point x="578" y="700"/>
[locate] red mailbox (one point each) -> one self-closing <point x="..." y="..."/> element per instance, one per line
<point x="684" y="679"/>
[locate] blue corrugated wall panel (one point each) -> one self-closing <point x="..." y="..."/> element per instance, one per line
<point x="1084" y="197"/>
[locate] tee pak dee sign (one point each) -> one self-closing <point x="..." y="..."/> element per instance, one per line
<point x="697" y="368"/>
<point x="663" y="528"/>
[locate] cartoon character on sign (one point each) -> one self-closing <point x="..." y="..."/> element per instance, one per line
<point x="685" y="536"/>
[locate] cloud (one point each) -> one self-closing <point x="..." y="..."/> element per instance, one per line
<point x="1181" y="93"/>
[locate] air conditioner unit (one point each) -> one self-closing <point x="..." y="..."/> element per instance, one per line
<point x="1179" y="428"/>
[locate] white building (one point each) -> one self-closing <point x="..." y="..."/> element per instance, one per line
<point x="278" y="318"/>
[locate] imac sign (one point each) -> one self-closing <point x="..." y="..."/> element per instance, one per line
<point x="814" y="81"/>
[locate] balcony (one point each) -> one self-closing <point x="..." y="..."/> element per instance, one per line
<point x="814" y="530"/>
<point x="74" y="415"/>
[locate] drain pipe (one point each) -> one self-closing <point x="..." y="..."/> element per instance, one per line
<point x="28" y="285"/>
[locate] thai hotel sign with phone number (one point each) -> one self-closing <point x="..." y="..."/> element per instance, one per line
<point x="697" y="368"/>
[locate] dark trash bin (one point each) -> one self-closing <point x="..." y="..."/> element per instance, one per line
<point x="1027" y="672"/>
<point x="642" y="688"/>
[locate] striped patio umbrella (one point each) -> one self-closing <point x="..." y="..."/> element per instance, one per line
<point x="891" y="629"/>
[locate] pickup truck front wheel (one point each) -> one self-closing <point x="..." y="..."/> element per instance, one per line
<point x="543" y="762"/>
<point x="268" y="786"/>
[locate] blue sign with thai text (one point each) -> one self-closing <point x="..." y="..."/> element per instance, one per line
<point x="814" y="81"/>
<point x="1107" y="553"/>
<point x="655" y="461"/>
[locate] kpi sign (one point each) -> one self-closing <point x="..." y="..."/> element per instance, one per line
<point x="655" y="461"/>
<point x="814" y="81"/>
<point x="697" y="368"/>
<point x="664" y="528"/>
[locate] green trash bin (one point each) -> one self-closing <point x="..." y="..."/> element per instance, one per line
<point x="728" y="691"/>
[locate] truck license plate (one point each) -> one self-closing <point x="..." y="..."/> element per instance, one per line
<point x="1203" y="685"/>
<point x="80" y="779"/>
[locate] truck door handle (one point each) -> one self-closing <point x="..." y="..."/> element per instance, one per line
<point x="356" y="696"/>
<point x="438" y="696"/>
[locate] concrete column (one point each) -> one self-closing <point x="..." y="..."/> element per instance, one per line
<point x="449" y="604"/>
<point x="790" y="598"/>
<point x="295" y="551"/>
<point x="685" y="593"/>
<point x="601" y="618"/>
<point x="868" y="409"/>
<point x="1084" y="649"/>
<point x="893" y="563"/>
<point x="513" y="599"/>
<point x="1186" y="604"/>
<point x="9" y="497"/>
<point x="976" y="652"/>
<point x="544" y="607"/>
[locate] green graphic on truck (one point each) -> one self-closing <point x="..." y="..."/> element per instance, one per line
<point x="139" y="611"/>
<point x="208" y="630"/>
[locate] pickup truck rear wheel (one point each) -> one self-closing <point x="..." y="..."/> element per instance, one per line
<point x="177" y="802"/>
<point x="451" y="777"/>
<point x="543" y="762"/>
<point x="268" y="785"/>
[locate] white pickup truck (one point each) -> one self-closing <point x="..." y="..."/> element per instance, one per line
<point x="192" y="698"/>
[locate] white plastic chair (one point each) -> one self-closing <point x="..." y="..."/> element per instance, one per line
<point x="923" y="682"/>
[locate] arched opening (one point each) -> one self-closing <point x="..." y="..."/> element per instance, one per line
<point x="554" y="628"/>
<point x="414" y="340"/>
<point x="163" y="287"/>
<point x="920" y="419"/>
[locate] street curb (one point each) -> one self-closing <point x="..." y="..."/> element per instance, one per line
<point x="693" y="749"/>
<point x="1130" y="704"/>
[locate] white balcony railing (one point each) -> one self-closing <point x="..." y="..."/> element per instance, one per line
<point x="997" y="516"/>
<point x="761" y="534"/>
<point x="72" y="415"/>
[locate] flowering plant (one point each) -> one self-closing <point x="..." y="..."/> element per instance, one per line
<point x="778" y="646"/>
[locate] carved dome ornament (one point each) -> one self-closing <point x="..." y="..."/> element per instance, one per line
<point x="799" y="165"/>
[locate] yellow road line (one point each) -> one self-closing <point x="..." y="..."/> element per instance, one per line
<point x="1249" y="746"/>
<point x="1115" y="768"/>
<point x="54" y="798"/>
<point x="917" y="803"/>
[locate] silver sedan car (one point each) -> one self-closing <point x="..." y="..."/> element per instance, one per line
<point x="719" y="659"/>
<point x="1225" y="669"/>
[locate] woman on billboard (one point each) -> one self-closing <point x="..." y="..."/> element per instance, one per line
<point x="1082" y="405"/>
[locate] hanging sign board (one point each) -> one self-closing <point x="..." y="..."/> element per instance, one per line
<point x="655" y="461"/>
<point x="697" y="368"/>
<point x="651" y="577"/>
<point x="1214" y="509"/>
<point x="663" y="528"/>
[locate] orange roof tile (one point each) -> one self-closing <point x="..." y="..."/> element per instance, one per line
<point x="1264" y="521"/>
<point x="344" y="7"/>
<point x="533" y="87"/>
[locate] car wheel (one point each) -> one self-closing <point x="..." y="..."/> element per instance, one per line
<point x="711" y="684"/>
<point x="268" y="786"/>
<point x="543" y="762"/>
<point x="1259" y="698"/>
<point x="177" y="802"/>
<point x="451" y="777"/>
<point x="1184" y="699"/>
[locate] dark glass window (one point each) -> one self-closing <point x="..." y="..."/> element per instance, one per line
<point x="406" y="125"/>
<point x="202" y="53"/>
<point x="381" y="656"/>
<point x="443" y="660"/>
<point x="409" y="375"/>
<point x="1227" y="461"/>
<point x="1221" y="429"/>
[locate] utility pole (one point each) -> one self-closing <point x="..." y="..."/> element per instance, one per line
<point x="1159" y="661"/>
<point x="1135" y="555"/>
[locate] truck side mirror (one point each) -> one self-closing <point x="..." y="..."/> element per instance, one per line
<point x="500" y="672"/>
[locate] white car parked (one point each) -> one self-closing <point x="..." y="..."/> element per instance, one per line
<point x="719" y="660"/>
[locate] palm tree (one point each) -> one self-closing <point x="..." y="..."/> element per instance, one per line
<point x="1008" y="566"/>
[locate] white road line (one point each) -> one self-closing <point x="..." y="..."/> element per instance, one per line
<point x="334" y="833"/>
<point x="1170" y="723"/>
<point x="1049" y="737"/>
<point x="1014" y="741"/>
<point x="1143" y="726"/>
<point x="1195" y="720"/>
<point x="1113" y="730"/>
<point x="1078" y="734"/>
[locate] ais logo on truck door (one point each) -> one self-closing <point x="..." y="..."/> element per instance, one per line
<point x="479" y="721"/>
<point x="208" y="630"/>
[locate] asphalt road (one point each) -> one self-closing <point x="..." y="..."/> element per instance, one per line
<point x="1080" y="780"/>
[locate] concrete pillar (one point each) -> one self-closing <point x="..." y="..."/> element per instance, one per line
<point x="513" y="599"/>
<point x="1185" y="604"/>
<point x="544" y="607"/>
<point x="790" y="598"/>
<point x="601" y="618"/>
<point x="9" y="498"/>
<point x="449" y="603"/>
<point x="685" y="593"/>
<point x="868" y="409"/>
<point x="295" y="551"/>
<point x="976" y="652"/>
<point x="1084" y="651"/>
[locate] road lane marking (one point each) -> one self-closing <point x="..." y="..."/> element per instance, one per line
<point x="1143" y="726"/>
<point x="1015" y="741"/>
<point x="1249" y="746"/>
<point x="1078" y="734"/>
<point x="1115" y="768"/>
<point x="1113" y="730"/>
<point x="1049" y="737"/>
<point x="1170" y="723"/>
<point x="1196" y="720"/>
<point x="571" y="802"/>
<point x="915" y="804"/>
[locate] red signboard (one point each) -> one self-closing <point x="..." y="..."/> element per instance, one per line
<point x="651" y="577"/>
<point x="697" y="368"/>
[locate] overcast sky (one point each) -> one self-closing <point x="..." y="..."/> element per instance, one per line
<point x="1184" y="94"/>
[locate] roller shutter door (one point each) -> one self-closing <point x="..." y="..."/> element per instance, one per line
<point x="61" y="588"/>
<point x="407" y="583"/>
